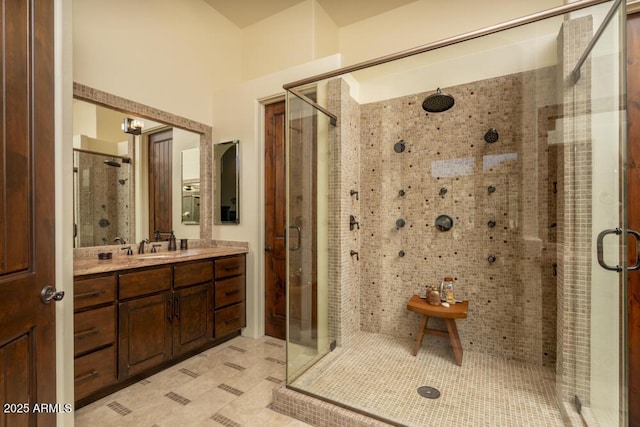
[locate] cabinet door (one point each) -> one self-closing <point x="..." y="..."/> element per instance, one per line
<point x="193" y="317"/>
<point x="144" y="333"/>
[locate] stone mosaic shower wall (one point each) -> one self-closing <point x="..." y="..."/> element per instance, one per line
<point x="344" y="267"/>
<point x="447" y="168"/>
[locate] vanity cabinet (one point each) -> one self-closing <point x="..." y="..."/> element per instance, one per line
<point x="94" y="334"/>
<point x="138" y="320"/>
<point x="176" y="319"/>
<point x="193" y="305"/>
<point x="144" y="314"/>
<point x="229" y="294"/>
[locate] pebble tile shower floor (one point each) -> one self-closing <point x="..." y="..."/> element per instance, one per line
<point x="379" y="374"/>
<point x="228" y="385"/>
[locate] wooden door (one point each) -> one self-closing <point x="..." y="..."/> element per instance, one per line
<point x="160" y="182"/>
<point x="275" y="221"/>
<point x="633" y="210"/>
<point x="144" y="333"/>
<point x="27" y="245"/>
<point x="193" y="318"/>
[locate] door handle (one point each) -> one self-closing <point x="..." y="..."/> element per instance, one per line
<point x="297" y="228"/>
<point x="635" y="266"/>
<point x="49" y="294"/>
<point x="600" y="249"/>
<point x="268" y="249"/>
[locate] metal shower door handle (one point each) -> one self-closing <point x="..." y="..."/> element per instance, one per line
<point x="297" y="228"/>
<point x="600" y="249"/>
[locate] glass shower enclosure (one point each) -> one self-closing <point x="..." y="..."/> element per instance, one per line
<point x="516" y="192"/>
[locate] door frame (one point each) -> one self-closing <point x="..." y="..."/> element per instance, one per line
<point x="63" y="159"/>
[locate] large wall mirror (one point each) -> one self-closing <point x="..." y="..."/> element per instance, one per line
<point x="227" y="183"/>
<point x="130" y="185"/>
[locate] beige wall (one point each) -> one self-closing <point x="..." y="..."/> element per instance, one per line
<point x="171" y="56"/>
<point x="426" y="21"/>
<point x="294" y="36"/>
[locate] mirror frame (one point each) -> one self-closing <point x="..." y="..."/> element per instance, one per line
<point x="217" y="217"/>
<point x="105" y="99"/>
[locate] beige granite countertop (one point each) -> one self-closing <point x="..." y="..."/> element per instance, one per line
<point x="82" y="266"/>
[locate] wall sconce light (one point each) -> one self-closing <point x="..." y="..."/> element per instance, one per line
<point x="132" y="126"/>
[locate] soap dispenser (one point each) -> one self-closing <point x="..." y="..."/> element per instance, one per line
<point x="172" y="242"/>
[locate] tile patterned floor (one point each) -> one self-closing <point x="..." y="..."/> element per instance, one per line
<point x="383" y="379"/>
<point x="229" y="385"/>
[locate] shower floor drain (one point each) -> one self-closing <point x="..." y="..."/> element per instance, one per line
<point x="428" y="392"/>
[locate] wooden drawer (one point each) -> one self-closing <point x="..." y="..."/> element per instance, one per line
<point x="192" y="273"/>
<point x="231" y="266"/>
<point x="229" y="319"/>
<point x="93" y="291"/>
<point x="94" y="328"/>
<point x="94" y="371"/>
<point x="138" y="283"/>
<point x="229" y="291"/>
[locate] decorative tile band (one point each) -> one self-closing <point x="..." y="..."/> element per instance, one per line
<point x="241" y="350"/>
<point x="225" y="421"/>
<point x="119" y="408"/>
<point x="177" y="398"/>
<point x="274" y="360"/>
<point x="188" y="372"/>
<point x="234" y="366"/>
<point x="230" y="389"/>
<point x="274" y="380"/>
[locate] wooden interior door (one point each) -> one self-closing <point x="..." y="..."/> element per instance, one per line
<point x="160" y="182"/>
<point x="633" y="210"/>
<point x="27" y="245"/>
<point x="275" y="221"/>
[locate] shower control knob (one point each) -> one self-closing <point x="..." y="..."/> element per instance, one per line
<point x="401" y="254"/>
<point x="491" y="189"/>
<point x="491" y="258"/>
<point x="401" y="193"/>
<point x="491" y="224"/>
<point x="400" y="223"/>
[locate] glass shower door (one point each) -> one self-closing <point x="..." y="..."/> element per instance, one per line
<point x="596" y="283"/>
<point x="308" y="336"/>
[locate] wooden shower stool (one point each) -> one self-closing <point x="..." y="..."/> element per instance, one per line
<point x="449" y="314"/>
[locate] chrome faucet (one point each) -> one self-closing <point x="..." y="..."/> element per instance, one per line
<point x="119" y="240"/>
<point x="141" y="245"/>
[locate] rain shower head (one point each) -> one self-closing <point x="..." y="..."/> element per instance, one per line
<point x="438" y="102"/>
<point x="112" y="162"/>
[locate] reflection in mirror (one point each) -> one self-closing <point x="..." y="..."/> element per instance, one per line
<point x="103" y="196"/>
<point x="191" y="186"/>
<point x="98" y="132"/>
<point x="227" y="183"/>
